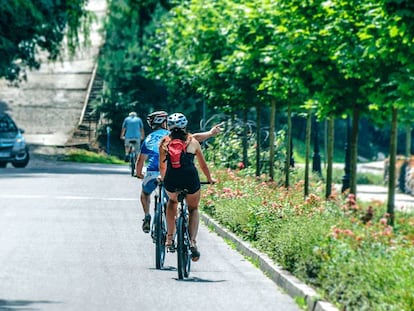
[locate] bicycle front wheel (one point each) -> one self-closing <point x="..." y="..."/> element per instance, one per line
<point x="160" y="235"/>
<point x="183" y="249"/>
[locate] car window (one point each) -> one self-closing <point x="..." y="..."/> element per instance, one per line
<point x="7" y="125"/>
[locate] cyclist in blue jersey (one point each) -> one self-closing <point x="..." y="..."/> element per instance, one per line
<point x="150" y="154"/>
<point x="157" y="121"/>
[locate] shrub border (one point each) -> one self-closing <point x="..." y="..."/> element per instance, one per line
<point x="284" y="279"/>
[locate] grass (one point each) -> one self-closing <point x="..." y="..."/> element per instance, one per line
<point x="299" y="151"/>
<point x="84" y="156"/>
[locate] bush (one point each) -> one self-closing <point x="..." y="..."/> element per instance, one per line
<point x="342" y="247"/>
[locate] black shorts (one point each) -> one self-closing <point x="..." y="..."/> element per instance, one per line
<point x="176" y="179"/>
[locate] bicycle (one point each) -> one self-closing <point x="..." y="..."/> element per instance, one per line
<point x="183" y="236"/>
<point x="132" y="156"/>
<point x="159" y="225"/>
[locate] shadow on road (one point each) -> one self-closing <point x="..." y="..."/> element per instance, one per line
<point x="10" y="305"/>
<point x="71" y="168"/>
<point x="200" y="280"/>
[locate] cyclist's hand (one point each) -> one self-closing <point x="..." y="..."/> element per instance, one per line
<point x="212" y="181"/>
<point x="140" y="176"/>
<point x="122" y="137"/>
<point x="216" y="129"/>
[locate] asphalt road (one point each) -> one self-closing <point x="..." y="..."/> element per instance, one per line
<point x="71" y="239"/>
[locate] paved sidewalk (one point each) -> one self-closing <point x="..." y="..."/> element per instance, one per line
<point x="403" y="202"/>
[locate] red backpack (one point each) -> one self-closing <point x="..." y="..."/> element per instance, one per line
<point x="176" y="152"/>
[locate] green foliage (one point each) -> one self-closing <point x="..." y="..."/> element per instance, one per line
<point x="29" y="27"/>
<point x="84" y="156"/>
<point x="126" y="89"/>
<point x="366" y="178"/>
<point x="226" y="150"/>
<point x="343" y="248"/>
<point x="374" y="256"/>
<point x="341" y="55"/>
<point x="128" y="64"/>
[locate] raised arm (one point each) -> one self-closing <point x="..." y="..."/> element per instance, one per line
<point x="206" y="135"/>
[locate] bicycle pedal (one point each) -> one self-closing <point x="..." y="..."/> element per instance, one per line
<point x="170" y="249"/>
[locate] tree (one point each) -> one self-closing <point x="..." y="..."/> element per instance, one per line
<point x="208" y="48"/>
<point x="28" y="28"/>
<point x="388" y="38"/>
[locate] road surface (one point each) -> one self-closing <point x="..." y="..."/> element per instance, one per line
<point x="71" y="239"/>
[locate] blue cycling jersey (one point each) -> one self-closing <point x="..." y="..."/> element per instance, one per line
<point x="150" y="147"/>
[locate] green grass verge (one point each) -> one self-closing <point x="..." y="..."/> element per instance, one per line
<point x="80" y="155"/>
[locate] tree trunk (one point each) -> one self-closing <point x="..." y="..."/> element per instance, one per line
<point x="347" y="169"/>
<point x="272" y="140"/>
<point x="307" y="151"/>
<point x="354" y="151"/>
<point x="244" y="142"/>
<point x="258" y="138"/>
<point x="316" y="159"/>
<point x="408" y="142"/>
<point x="288" y="147"/>
<point x="392" y="170"/>
<point x="329" y="156"/>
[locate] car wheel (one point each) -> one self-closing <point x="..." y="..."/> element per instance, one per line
<point x="22" y="163"/>
<point x="3" y="164"/>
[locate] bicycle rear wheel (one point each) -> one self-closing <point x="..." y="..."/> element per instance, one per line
<point x="160" y="235"/>
<point x="132" y="163"/>
<point x="183" y="247"/>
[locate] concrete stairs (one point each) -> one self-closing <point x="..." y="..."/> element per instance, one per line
<point x="85" y="134"/>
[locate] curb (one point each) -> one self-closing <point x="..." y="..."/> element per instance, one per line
<point x="284" y="279"/>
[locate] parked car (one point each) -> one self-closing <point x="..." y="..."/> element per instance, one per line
<point x="13" y="148"/>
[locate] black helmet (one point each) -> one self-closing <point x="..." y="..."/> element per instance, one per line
<point x="156" y="118"/>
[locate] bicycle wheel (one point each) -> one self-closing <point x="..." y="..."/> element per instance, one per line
<point x="187" y="253"/>
<point x="132" y="163"/>
<point x="160" y="235"/>
<point x="183" y="255"/>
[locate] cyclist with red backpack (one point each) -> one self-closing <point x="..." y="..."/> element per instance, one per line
<point x="177" y="169"/>
<point x="149" y="155"/>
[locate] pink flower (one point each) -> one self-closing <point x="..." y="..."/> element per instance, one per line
<point x="348" y="232"/>
<point x="383" y="221"/>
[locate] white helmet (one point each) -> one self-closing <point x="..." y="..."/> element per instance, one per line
<point x="176" y="120"/>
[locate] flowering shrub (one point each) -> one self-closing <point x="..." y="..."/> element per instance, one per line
<point x="344" y="248"/>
